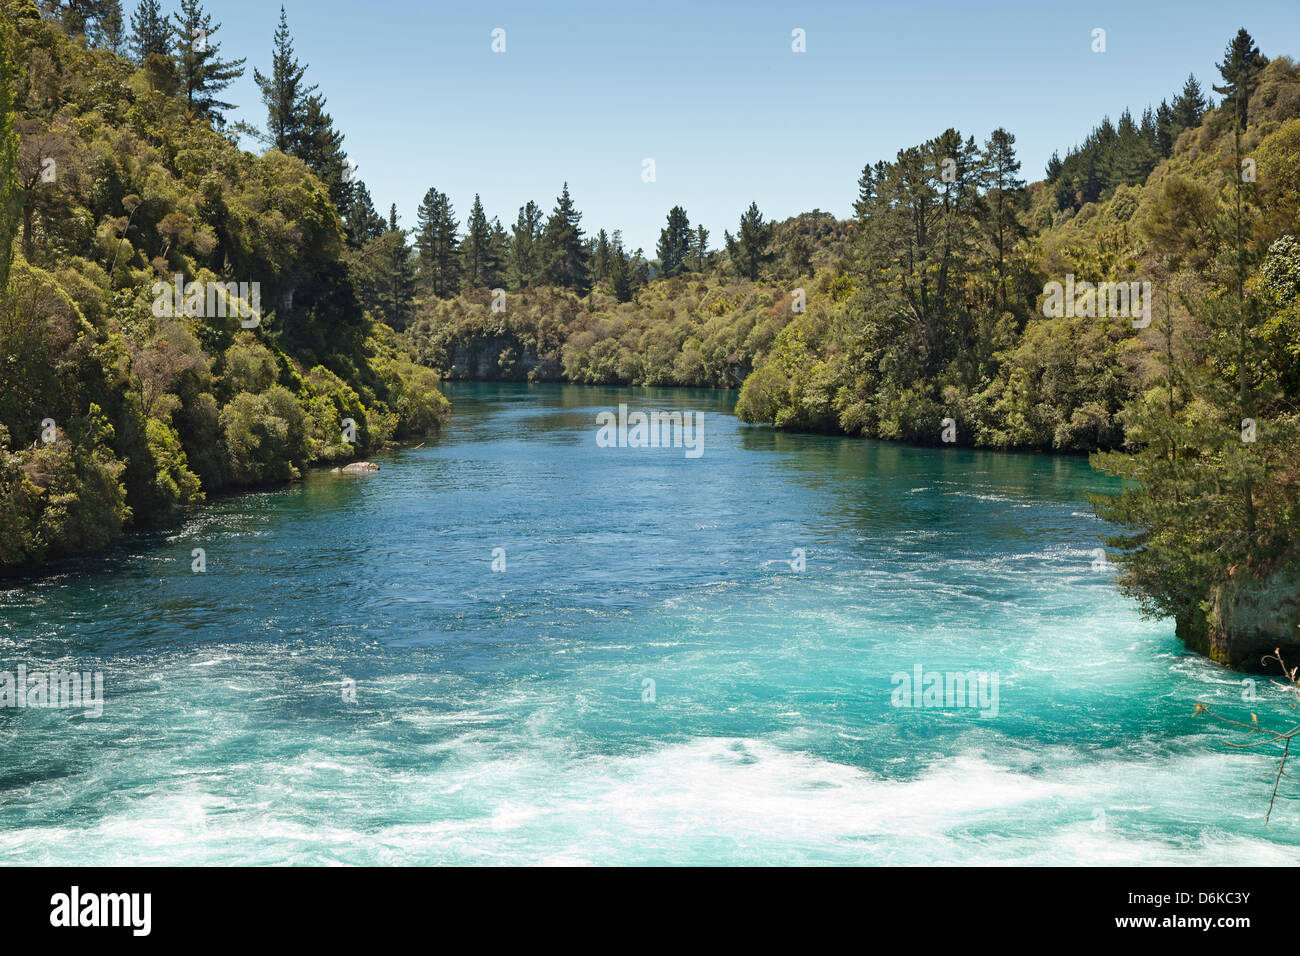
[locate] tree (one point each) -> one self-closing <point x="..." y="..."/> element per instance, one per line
<point x="1053" y="169"/>
<point x="569" y="259"/>
<point x="1166" y="128"/>
<point x="700" y="248"/>
<point x="498" y="253"/>
<point x="284" y="92"/>
<point x="478" y="262"/>
<point x="320" y="145"/>
<point x="110" y="31"/>
<point x="203" y="73"/>
<point x="749" y="249"/>
<point x="600" y="257"/>
<point x="1003" y="201"/>
<point x="149" y="31"/>
<point x="86" y="17"/>
<point x="674" y="242"/>
<point x="360" y="219"/>
<point x="799" y="255"/>
<point x="436" y="245"/>
<point x="1190" y="105"/>
<point x="526" y="259"/>
<point x="916" y="239"/>
<point x="11" y="199"/>
<point x="1240" y="69"/>
<point x="396" y="274"/>
<point x="622" y="274"/>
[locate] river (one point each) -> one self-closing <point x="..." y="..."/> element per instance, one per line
<point x="675" y="660"/>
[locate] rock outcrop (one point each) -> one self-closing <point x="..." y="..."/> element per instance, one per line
<point x="1248" y="618"/>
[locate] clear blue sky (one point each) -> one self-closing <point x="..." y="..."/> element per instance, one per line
<point x="713" y="93"/>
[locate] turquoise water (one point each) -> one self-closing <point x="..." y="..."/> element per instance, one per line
<point x="501" y="717"/>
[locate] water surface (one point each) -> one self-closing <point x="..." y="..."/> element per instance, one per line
<point x="505" y="717"/>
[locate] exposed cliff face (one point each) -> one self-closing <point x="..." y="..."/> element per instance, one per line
<point x="501" y="358"/>
<point x="1247" y="619"/>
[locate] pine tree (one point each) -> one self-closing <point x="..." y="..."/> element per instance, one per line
<point x="319" y="144"/>
<point x="149" y="31"/>
<point x="436" y="245"/>
<point x="360" y="219"/>
<point x="476" y="250"/>
<point x="1166" y="128"/>
<point x="203" y="73"/>
<point x="674" y="242"/>
<point x="749" y="249"/>
<point x="621" y="278"/>
<point x="527" y="261"/>
<point x="398" y="273"/>
<point x="1240" y="69"/>
<point x="569" y="258"/>
<point x="110" y="31"/>
<point x="498" y="254"/>
<point x="1053" y="169"/>
<point x="600" y="257"/>
<point x="700" y="249"/>
<point x="85" y="18"/>
<point x="284" y="92"/>
<point x="1003" y="200"/>
<point x="1190" y="105"/>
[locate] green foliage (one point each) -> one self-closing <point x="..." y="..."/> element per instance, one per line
<point x="749" y="249"/>
<point x="265" y="435"/>
<point x="674" y="242"/>
<point x="10" y="200"/>
<point x="152" y="407"/>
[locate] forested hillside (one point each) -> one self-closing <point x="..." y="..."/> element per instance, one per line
<point x="120" y="401"/>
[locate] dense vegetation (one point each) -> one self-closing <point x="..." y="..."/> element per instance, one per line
<point x="116" y="174"/>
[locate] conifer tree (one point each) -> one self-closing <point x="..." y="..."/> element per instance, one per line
<point x="203" y="73"/>
<point x="476" y="253"/>
<point x="749" y="248"/>
<point x="360" y="219"/>
<point x="1242" y="63"/>
<point x="1002" y="202"/>
<point x="600" y="257"/>
<point x="149" y="31"/>
<point x="284" y="92"/>
<point x="569" y="259"/>
<point x="397" y="277"/>
<point x="526" y="260"/>
<point x="1190" y="105"/>
<point x="700" y="248"/>
<point x="674" y="242"/>
<point x="110" y="31"/>
<point x="436" y="245"/>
